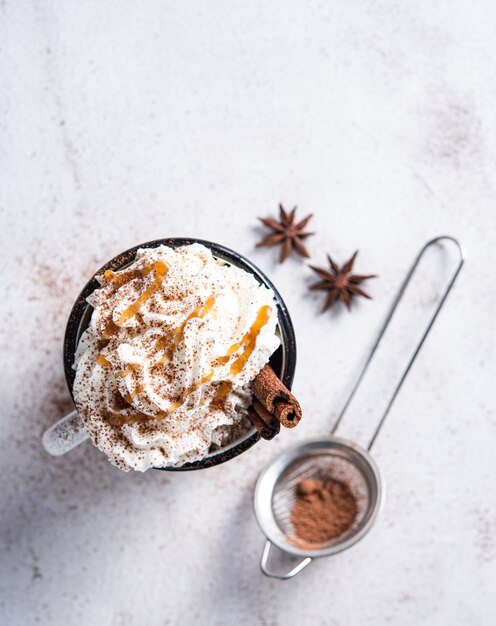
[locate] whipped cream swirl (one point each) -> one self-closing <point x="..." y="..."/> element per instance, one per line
<point x="163" y="370"/>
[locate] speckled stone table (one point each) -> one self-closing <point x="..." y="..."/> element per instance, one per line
<point x="122" y="122"/>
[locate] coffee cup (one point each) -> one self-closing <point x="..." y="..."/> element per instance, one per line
<point x="69" y="432"/>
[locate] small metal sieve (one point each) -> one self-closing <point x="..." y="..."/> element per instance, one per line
<point x="335" y="458"/>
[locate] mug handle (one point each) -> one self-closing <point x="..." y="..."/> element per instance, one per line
<point x="64" y="435"/>
<point x="296" y="570"/>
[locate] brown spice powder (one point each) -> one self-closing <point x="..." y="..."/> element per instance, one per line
<point x="323" y="510"/>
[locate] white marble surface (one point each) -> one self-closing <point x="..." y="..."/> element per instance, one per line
<point x="122" y="122"/>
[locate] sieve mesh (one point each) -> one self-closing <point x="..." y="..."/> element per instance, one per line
<point x="320" y="466"/>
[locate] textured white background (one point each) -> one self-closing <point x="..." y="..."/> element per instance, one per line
<point x="122" y="122"/>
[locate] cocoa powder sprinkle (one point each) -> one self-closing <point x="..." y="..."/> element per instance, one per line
<point x="323" y="510"/>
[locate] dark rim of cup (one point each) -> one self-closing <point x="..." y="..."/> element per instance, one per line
<point x="283" y="360"/>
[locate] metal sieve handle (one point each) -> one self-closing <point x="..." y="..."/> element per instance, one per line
<point x="265" y="558"/>
<point x="392" y="310"/>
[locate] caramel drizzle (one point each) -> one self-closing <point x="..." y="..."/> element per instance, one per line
<point x="130" y="368"/>
<point x="118" y="279"/>
<point x="110" y="329"/>
<point x="160" y="269"/>
<point x="250" y="339"/>
<point x="129" y="397"/>
<point x="188" y="392"/>
<point x="223" y="389"/>
<point x="141" y="417"/>
<point x="172" y="339"/>
<point x="248" y="342"/>
<point x="101" y="360"/>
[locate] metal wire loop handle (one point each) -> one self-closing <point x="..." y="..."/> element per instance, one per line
<point x="284" y="576"/>
<point x="385" y="325"/>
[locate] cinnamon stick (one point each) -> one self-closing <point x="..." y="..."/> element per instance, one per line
<point x="286" y="413"/>
<point x="267" y="425"/>
<point x="275" y="398"/>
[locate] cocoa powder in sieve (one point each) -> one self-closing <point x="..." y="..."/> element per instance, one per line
<point x="323" y="510"/>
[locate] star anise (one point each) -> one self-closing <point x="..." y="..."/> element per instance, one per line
<point x="340" y="283"/>
<point x="286" y="232"/>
